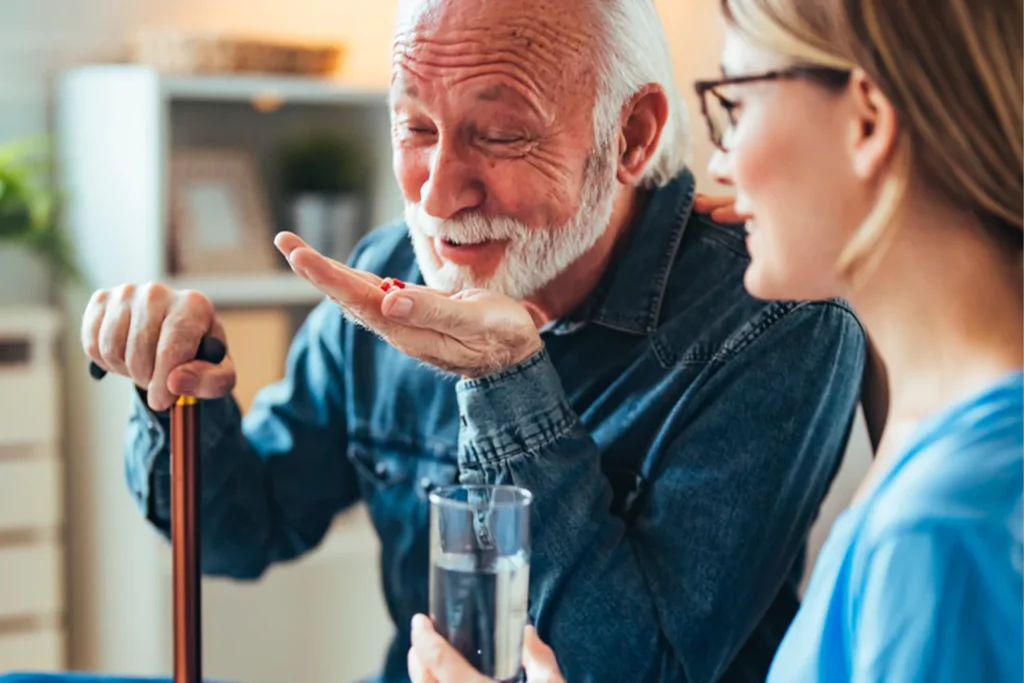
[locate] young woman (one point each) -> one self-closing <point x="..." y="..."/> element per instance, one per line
<point x="875" y="148"/>
<point x="876" y="151"/>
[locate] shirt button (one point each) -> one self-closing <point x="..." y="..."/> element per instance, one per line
<point x="381" y="469"/>
<point x="426" y="484"/>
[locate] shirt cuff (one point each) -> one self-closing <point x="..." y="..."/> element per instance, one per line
<point x="145" y="439"/>
<point x="147" y="448"/>
<point x="517" y="411"/>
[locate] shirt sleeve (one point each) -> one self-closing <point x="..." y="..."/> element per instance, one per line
<point x="674" y="591"/>
<point x="271" y="483"/>
<point x="938" y="605"/>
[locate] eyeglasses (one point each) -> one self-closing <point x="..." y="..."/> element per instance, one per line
<point x="719" y="111"/>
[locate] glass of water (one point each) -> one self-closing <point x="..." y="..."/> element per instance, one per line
<point x="480" y="573"/>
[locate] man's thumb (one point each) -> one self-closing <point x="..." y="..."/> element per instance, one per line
<point x="202" y="379"/>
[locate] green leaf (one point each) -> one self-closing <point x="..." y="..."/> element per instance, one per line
<point x="324" y="162"/>
<point x="29" y="206"/>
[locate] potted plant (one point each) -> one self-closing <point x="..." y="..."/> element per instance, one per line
<point x="29" y="222"/>
<point x="324" y="177"/>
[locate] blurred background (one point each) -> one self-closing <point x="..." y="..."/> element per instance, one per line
<point x="169" y="140"/>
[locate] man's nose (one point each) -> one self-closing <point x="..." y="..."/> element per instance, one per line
<point x="452" y="185"/>
<point x="719" y="168"/>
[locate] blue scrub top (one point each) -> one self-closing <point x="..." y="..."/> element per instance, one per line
<point x="922" y="580"/>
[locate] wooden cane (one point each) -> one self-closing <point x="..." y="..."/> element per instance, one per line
<point x="185" y="487"/>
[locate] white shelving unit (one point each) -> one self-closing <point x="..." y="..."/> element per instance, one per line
<point x="251" y="290"/>
<point x="117" y="126"/>
<point x="257" y="89"/>
<point x="32" y="514"/>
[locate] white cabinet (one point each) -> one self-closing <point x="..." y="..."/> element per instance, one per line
<point x="117" y="127"/>
<point x="32" y="550"/>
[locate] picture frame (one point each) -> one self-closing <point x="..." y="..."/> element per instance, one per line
<point x="220" y="219"/>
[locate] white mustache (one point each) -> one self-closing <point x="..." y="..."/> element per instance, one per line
<point x="470" y="229"/>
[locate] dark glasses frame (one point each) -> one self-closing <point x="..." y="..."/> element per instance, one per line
<point x="827" y="76"/>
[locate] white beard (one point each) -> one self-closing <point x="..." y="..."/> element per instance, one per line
<point x="534" y="257"/>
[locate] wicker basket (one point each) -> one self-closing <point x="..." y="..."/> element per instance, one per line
<point x="179" y="52"/>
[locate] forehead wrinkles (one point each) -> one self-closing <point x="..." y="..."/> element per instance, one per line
<point x="536" y="56"/>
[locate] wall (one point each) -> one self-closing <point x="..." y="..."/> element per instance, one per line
<point x="39" y="37"/>
<point x="694" y="31"/>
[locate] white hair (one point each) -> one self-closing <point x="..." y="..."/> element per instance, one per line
<point x="632" y="52"/>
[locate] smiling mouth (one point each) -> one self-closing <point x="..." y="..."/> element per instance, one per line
<point x="469" y="254"/>
<point x="465" y="245"/>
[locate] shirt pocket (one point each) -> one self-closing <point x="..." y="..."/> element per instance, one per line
<point x="396" y="480"/>
<point x="379" y="468"/>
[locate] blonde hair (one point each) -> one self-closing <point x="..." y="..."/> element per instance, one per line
<point x="952" y="70"/>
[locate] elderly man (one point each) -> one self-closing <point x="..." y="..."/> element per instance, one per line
<point x="595" y="345"/>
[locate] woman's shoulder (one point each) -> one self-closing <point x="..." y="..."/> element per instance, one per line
<point x="964" y="470"/>
<point x="955" y="499"/>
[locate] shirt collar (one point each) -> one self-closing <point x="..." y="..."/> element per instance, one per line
<point x="628" y="297"/>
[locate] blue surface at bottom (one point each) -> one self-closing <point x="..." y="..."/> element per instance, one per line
<point x="82" y="677"/>
<point x="77" y="677"/>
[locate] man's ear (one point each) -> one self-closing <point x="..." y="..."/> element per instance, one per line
<point x="642" y="122"/>
<point x="873" y="127"/>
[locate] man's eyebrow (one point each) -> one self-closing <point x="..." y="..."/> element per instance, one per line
<point x="406" y="91"/>
<point x="495" y="92"/>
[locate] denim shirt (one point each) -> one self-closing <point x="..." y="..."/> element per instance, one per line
<point x="678" y="436"/>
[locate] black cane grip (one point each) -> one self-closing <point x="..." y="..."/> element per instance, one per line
<point x="211" y="350"/>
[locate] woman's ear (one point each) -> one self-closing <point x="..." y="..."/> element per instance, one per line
<point x="643" y="120"/>
<point x="873" y="129"/>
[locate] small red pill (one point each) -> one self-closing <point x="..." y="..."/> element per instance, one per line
<point x="399" y="284"/>
<point x="385" y="285"/>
